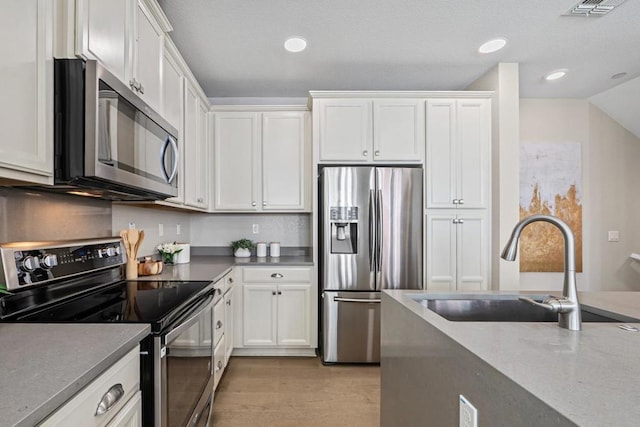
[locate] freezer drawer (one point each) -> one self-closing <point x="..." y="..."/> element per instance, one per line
<point x="351" y="327"/>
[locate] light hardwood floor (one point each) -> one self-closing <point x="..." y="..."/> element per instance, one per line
<point x="300" y="392"/>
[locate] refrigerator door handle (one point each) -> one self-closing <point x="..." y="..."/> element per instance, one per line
<point x="371" y="231"/>
<point x="379" y="240"/>
<point x="357" y="300"/>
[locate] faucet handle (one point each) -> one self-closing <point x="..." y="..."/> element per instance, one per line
<point x="547" y="304"/>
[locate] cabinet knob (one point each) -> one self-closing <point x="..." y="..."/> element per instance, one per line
<point x="264" y="203"/>
<point x="218" y="324"/>
<point x="253" y="203"/>
<point x="230" y="280"/>
<point x="455" y="201"/>
<point x="461" y="221"/>
<point x="132" y="84"/>
<point x="279" y="292"/>
<point x="461" y="201"/>
<point x="219" y="366"/>
<point x="229" y="302"/>
<point x="365" y="153"/>
<point x="273" y="292"/>
<point x="376" y="153"/>
<point x="455" y="221"/>
<point x="277" y="276"/>
<point x="140" y="88"/>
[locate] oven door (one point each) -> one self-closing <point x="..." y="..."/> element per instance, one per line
<point x="186" y="370"/>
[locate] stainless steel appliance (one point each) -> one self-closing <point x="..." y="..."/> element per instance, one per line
<point x="108" y="142"/>
<point x="82" y="281"/>
<point x="370" y="239"/>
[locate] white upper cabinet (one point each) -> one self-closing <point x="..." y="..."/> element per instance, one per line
<point x="127" y="38"/>
<point x="285" y="160"/>
<point x="148" y="50"/>
<point x="104" y="29"/>
<point x="196" y="146"/>
<point x="458" y="149"/>
<point x="369" y="130"/>
<point x="26" y="106"/>
<point x="261" y="161"/>
<point x="344" y="127"/>
<point x="236" y="160"/>
<point x="398" y="129"/>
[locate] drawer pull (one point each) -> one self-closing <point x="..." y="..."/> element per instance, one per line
<point x="277" y="276"/>
<point x="218" y="324"/>
<point x="109" y="399"/>
<point x="229" y="303"/>
<point x="230" y="280"/>
<point x="219" y="366"/>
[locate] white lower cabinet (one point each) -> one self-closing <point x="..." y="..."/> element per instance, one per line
<point x="457" y="251"/>
<point x="115" y="394"/>
<point x="277" y="308"/>
<point x="223" y="325"/>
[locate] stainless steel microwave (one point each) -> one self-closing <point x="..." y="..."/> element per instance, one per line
<point x="108" y="142"/>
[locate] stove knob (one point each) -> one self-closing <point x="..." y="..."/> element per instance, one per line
<point x="49" y="261"/>
<point x="30" y="263"/>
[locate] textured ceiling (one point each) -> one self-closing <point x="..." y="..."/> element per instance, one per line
<point x="234" y="47"/>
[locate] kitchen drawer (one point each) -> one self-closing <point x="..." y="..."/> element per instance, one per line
<point x="218" y="321"/>
<point x="80" y="410"/>
<point x="276" y="275"/>
<point x="218" y="362"/>
<point x="224" y="284"/>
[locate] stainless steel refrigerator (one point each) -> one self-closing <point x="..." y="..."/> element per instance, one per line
<point x="370" y="239"/>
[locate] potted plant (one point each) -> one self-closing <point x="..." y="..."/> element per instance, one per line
<point x="168" y="251"/>
<point x="242" y="248"/>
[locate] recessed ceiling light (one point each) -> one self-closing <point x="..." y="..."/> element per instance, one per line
<point x="295" y="44"/>
<point x="492" y="45"/>
<point x="555" y="75"/>
<point x="618" y="76"/>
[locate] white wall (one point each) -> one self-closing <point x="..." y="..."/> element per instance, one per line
<point x="504" y="81"/>
<point x="611" y="177"/>
<point x="622" y="103"/>
<point x="147" y="219"/>
<point x="292" y="230"/>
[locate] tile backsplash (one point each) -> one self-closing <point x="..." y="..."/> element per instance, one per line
<point x="28" y="215"/>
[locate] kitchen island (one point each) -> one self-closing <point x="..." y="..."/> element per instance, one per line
<point x="524" y="374"/>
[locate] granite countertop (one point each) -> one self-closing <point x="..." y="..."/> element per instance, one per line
<point x="43" y="365"/>
<point x="213" y="267"/>
<point x="590" y="376"/>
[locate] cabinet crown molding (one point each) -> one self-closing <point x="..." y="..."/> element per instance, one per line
<point x="258" y="108"/>
<point x="399" y="94"/>
<point x="158" y="14"/>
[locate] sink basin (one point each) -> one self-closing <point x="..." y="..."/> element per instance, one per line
<point x="501" y="308"/>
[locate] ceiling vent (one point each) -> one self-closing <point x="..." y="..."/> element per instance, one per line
<point x="592" y="8"/>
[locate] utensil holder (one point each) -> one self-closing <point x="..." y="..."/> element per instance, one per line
<point x="131" y="269"/>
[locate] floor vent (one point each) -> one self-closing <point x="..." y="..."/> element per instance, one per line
<point x="593" y="8"/>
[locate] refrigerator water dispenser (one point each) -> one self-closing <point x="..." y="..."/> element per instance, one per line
<point x="344" y="230"/>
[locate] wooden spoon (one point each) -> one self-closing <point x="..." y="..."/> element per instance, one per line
<point x="139" y="242"/>
<point x="125" y="239"/>
<point x="133" y="236"/>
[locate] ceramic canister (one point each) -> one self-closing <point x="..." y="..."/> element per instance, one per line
<point x="274" y="249"/>
<point x="261" y="249"/>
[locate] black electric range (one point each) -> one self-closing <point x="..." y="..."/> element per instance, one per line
<point x="83" y="281"/>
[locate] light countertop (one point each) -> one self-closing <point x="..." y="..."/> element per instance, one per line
<point x="590" y="376"/>
<point x="43" y="365"/>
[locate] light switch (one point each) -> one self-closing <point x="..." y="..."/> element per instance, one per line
<point x="614" y="236"/>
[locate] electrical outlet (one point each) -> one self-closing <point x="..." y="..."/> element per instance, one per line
<point x="255" y="228"/>
<point x="614" y="236"/>
<point x="178" y="229"/>
<point x="468" y="413"/>
<point x="132" y="225"/>
<point x="160" y="230"/>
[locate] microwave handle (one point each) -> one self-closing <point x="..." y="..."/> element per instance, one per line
<point x="169" y="141"/>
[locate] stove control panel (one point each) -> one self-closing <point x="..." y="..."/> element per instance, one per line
<point x="34" y="263"/>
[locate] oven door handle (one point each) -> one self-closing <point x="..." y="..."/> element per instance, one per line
<point x="190" y="321"/>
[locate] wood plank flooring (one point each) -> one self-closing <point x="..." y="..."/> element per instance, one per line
<point x="300" y="392"/>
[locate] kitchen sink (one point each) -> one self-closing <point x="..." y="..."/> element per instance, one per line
<point x="507" y="308"/>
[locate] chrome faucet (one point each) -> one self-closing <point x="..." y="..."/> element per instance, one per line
<point x="567" y="307"/>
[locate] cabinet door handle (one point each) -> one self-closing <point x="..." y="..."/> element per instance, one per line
<point x="273" y="292"/>
<point x="140" y="88"/>
<point x="219" y="366"/>
<point x="455" y="221"/>
<point x="455" y="201"/>
<point x="461" y="221"/>
<point x="230" y="280"/>
<point x="253" y="203"/>
<point x="365" y="153"/>
<point x="376" y="153"/>
<point x="132" y="84"/>
<point x="110" y="398"/>
<point x="229" y="302"/>
<point x="218" y="324"/>
<point x="277" y="276"/>
<point x="461" y="201"/>
<point x="279" y="292"/>
<point x="264" y="203"/>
